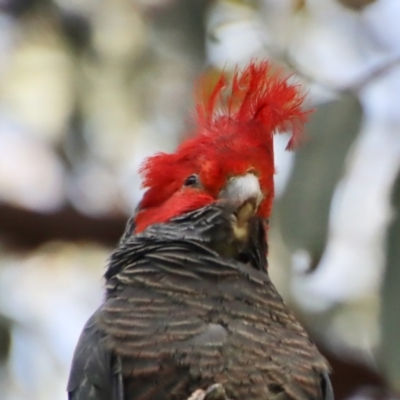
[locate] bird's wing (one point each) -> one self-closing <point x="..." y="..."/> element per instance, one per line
<point x="95" y="372"/>
<point x="327" y="389"/>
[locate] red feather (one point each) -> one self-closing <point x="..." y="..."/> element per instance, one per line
<point x="257" y="95"/>
<point x="233" y="135"/>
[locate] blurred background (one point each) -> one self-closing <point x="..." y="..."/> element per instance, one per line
<point x="88" y="88"/>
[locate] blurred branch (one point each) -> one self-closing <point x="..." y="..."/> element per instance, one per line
<point x="356" y="4"/>
<point x="26" y="228"/>
<point x="358" y="83"/>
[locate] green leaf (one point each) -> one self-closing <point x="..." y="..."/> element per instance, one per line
<point x="389" y="354"/>
<point x="303" y="211"/>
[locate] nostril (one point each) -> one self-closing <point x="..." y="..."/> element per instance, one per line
<point x="252" y="171"/>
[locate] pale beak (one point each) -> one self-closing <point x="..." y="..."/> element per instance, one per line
<point x="243" y="188"/>
<point x="244" y="191"/>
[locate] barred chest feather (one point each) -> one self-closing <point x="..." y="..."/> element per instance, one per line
<point x="180" y="316"/>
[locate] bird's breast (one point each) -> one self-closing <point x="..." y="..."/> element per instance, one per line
<point x="180" y="321"/>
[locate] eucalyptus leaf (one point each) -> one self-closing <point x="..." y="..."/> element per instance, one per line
<point x="5" y="338"/>
<point x="304" y="208"/>
<point x="390" y="313"/>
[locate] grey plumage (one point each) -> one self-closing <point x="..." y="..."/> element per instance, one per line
<point x="180" y="315"/>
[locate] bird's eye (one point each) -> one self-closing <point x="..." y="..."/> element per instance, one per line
<point x="191" y="180"/>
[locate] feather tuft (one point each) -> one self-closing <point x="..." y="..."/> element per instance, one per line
<point x="234" y="125"/>
<point x="257" y="95"/>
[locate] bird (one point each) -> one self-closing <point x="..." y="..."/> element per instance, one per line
<point x="190" y="312"/>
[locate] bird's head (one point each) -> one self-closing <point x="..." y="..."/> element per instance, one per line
<point x="230" y="157"/>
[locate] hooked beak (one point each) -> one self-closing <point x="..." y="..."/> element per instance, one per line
<point x="245" y="192"/>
